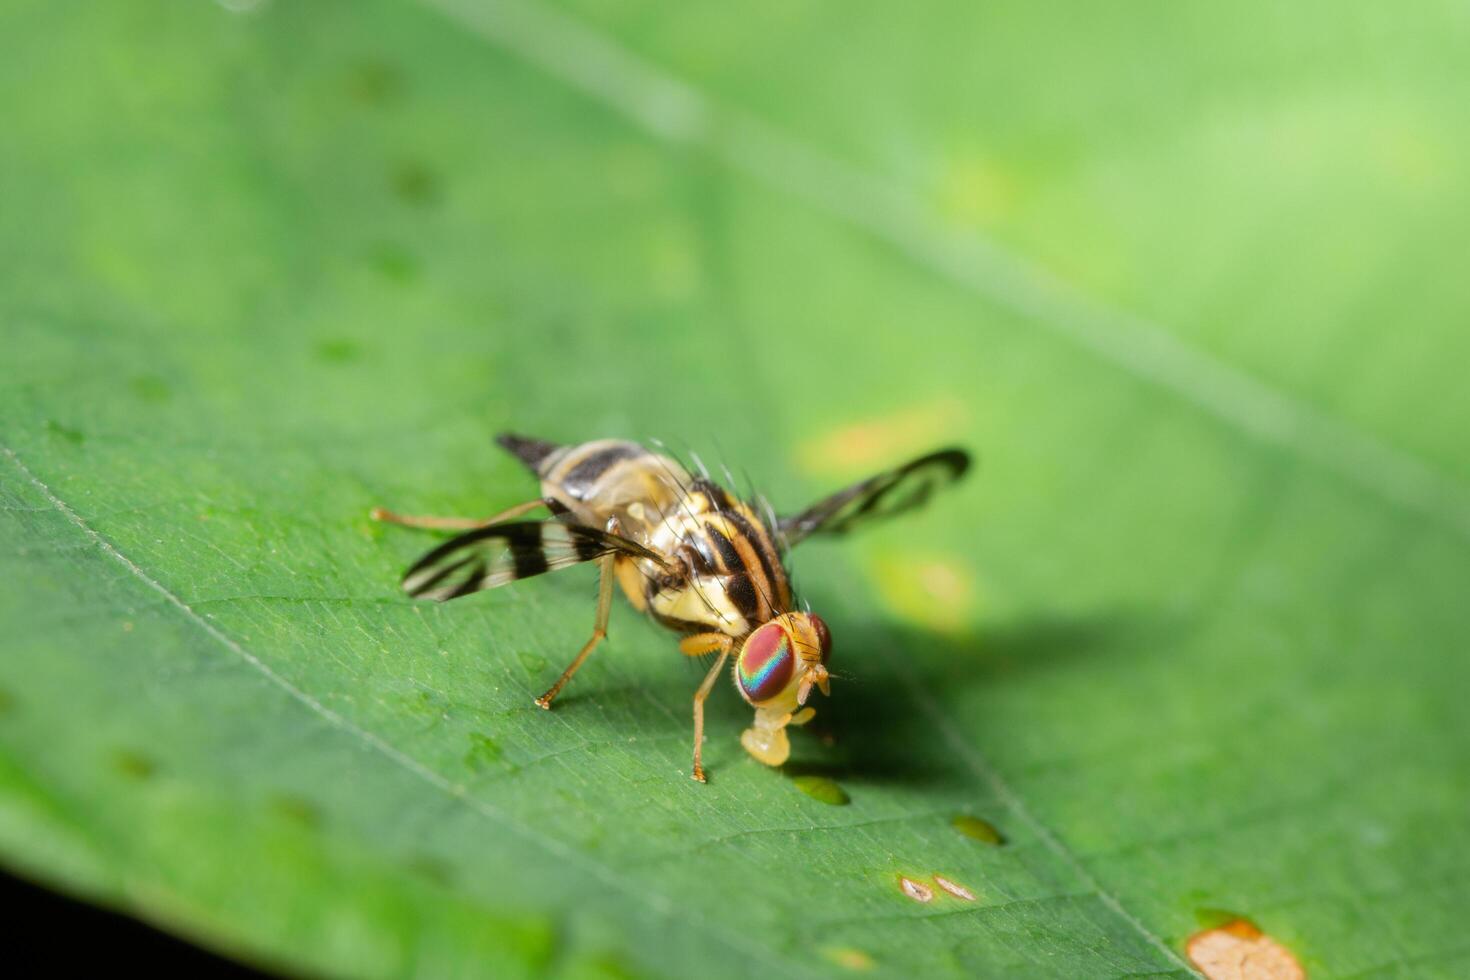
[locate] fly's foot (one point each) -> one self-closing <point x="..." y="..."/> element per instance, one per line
<point x="698" y="775"/>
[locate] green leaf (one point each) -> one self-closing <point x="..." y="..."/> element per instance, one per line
<point x="1192" y="638"/>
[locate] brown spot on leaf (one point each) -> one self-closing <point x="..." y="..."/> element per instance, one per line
<point x="916" y="890"/>
<point x="1237" y="950"/>
<point x="954" y="888"/>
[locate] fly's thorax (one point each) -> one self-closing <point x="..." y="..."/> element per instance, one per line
<point x="731" y="579"/>
<point x="781" y="661"/>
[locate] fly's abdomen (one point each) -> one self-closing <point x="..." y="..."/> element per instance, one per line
<point x="612" y="478"/>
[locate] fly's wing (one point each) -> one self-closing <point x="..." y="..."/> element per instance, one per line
<point x="490" y="556"/>
<point x="889" y="493"/>
<point x="534" y="453"/>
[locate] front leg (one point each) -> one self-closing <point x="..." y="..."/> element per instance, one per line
<point x="693" y="646"/>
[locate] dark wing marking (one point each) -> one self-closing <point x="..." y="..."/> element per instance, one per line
<point x="885" y="495"/>
<point x="532" y="452"/>
<point x="490" y="556"/>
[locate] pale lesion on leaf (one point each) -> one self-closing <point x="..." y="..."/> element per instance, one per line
<point x="1239" y="950"/>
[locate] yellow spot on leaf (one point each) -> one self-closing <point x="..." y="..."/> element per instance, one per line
<point x="981" y="830"/>
<point x="933" y="591"/>
<point x="846" y="956"/>
<point x="975" y="190"/>
<point x="880" y="443"/>
<point x="673" y="267"/>
<point x="823" y="789"/>
<point x="1238" y="950"/>
<point x="1410" y="156"/>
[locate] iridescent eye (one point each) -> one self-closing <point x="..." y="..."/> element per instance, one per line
<point x="824" y="638"/>
<point x="765" y="664"/>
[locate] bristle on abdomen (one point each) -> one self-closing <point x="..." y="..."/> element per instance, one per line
<point x="532" y="452"/>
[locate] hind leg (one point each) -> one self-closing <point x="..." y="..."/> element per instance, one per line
<point x="453" y="523"/>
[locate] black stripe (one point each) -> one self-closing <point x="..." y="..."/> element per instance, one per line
<point x="757" y="544"/>
<point x="506" y="531"/>
<point x="729" y="557"/>
<point x="470" y="584"/>
<point x="529" y="556"/>
<point x="696" y="555"/>
<point x="587" y="547"/>
<point x="742" y="592"/>
<point x="441" y="575"/>
<point x="716" y="493"/>
<point x="589" y="469"/>
<point x="738" y="585"/>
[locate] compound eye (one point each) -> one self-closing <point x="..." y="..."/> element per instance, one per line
<point x="824" y="637"/>
<point x="765" y="664"/>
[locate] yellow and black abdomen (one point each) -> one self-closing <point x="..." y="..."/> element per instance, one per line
<point x="608" y="479"/>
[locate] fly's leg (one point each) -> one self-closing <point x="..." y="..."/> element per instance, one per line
<point x="453" y="523"/>
<point x="599" y="629"/>
<point x="691" y="645"/>
<point x="698" y="644"/>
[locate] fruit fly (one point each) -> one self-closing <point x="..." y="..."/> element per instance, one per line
<point x="685" y="551"/>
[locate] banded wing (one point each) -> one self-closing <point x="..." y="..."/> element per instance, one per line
<point x="490" y="556"/>
<point x="889" y="493"/>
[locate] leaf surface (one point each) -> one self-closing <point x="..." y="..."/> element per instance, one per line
<point x="1191" y="638"/>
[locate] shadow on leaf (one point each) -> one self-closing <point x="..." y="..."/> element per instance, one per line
<point x="869" y="729"/>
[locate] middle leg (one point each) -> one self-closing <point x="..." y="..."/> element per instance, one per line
<point x="599" y="629"/>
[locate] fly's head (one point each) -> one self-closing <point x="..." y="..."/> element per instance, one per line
<point x="777" y="667"/>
